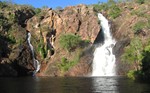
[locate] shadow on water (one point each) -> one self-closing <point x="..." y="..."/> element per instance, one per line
<point x="71" y="85"/>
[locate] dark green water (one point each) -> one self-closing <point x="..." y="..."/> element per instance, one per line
<point x="71" y="85"/>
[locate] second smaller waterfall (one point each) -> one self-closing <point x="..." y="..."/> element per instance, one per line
<point x="36" y="63"/>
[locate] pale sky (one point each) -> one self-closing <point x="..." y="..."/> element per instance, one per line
<point x="55" y="3"/>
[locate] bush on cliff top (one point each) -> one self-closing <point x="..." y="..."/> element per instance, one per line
<point x="114" y="12"/>
<point x="140" y="1"/>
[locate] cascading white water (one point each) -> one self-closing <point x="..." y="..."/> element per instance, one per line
<point x="36" y="63"/>
<point x="104" y="59"/>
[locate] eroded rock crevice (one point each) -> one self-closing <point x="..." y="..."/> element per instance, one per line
<point x="50" y="38"/>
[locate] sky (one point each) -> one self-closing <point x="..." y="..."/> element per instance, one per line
<point x="55" y="3"/>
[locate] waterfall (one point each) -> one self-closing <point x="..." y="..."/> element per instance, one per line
<point x="36" y="63"/>
<point x="104" y="59"/>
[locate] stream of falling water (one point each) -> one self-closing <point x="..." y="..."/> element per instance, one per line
<point x="36" y="63"/>
<point x="104" y="59"/>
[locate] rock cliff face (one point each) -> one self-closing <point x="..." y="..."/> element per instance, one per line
<point x="128" y="20"/>
<point x="81" y="20"/>
<point x="46" y="28"/>
<point x="51" y="24"/>
<point x="12" y="40"/>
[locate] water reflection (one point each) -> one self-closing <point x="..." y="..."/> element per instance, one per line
<point x="17" y="85"/>
<point x="71" y="85"/>
<point x="105" y="85"/>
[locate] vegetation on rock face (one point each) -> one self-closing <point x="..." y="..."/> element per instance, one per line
<point x="146" y="62"/>
<point x="111" y="6"/>
<point x="70" y="42"/>
<point x="137" y="54"/>
<point x="74" y="46"/>
<point x="132" y="53"/>
<point x="114" y="12"/>
<point x="139" y="26"/>
<point x="133" y="56"/>
<point x="67" y="63"/>
<point x="140" y="1"/>
<point x="13" y="34"/>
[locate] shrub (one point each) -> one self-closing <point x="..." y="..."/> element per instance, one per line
<point x="114" y="12"/>
<point x="140" y="1"/>
<point x="65" y="64"/>
<point x="37" y="11"/>
<point x="58" y="8"/>
<point x="70" y="41"/>
<point x="42" y="49"/>
<point x="134" y="75"/>
<point x="99" y="7"/>
<point x="138" y="27"/>
<point x="131" y="74"/>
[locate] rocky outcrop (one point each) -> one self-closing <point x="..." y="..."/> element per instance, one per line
<point x="23" y="64"/>
<point x="12" y="40"/>
<point x="81" y="20"/>
<point x="46" y="28"/>
<point x="50" y="24"/>
<point x="23" y="15"/>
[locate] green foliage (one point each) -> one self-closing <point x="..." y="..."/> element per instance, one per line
<point x="148" y="24"/>
<point x="138" y="27"/>
<point x="146" y="62"/>
<point x="12" y="18"/>
<point x="2" y="19"/>
<point x="103" y="6"/>
<point x="133" y="52"/>
<point x="70" y="42"/>
<point x="42" y="50"/>
<point x="141" y="11"/>
<point x="134" y="74"/>
<point x="111" y="2"/>
<point x="140" y="1"/>
<point x="10" y="39"/>
<point x="115" y="11"/>
<point x="37" y="10"/>
<point x="58" y="8"/>
<point x="100" y="7"/>
<point x="2" y="4"/>
<point x="65" y="64"/>
<point x="131" y="74"/>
